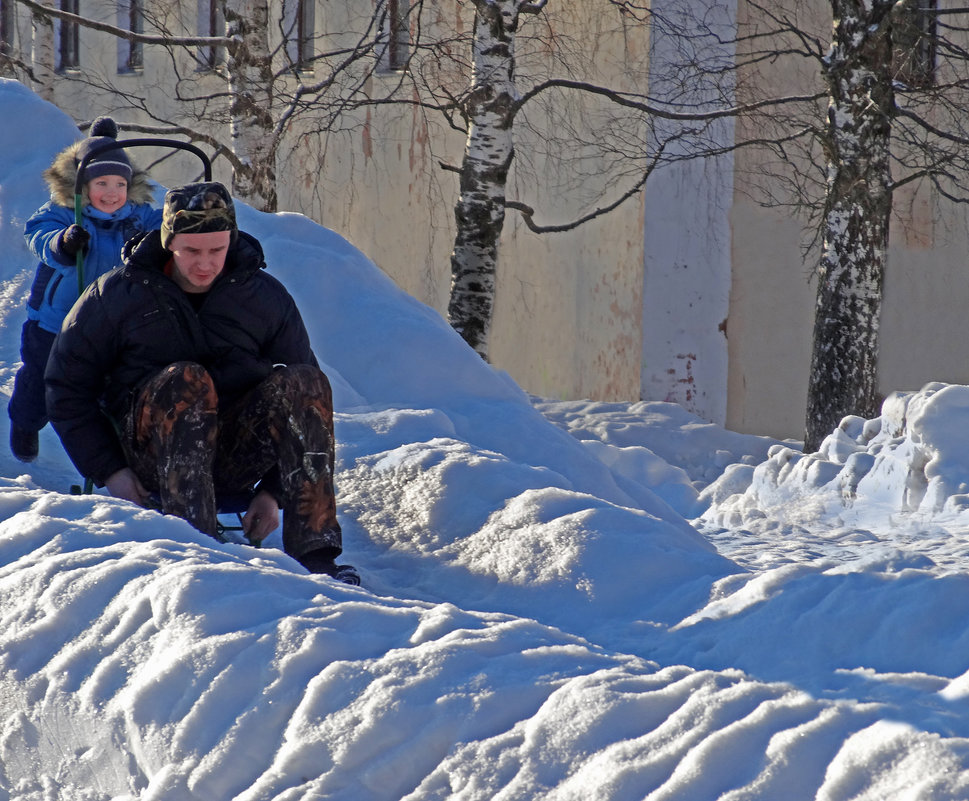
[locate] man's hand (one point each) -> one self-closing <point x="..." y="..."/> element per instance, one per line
<point x="262" y="518"/>
<point x="125" y="484"/>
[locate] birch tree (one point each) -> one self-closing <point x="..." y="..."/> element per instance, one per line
<point x="898" y="83"/>
<point x="480" y="209"/>
<point x="252" y="106"/>
<point x="627" y="145"/>
<point x="44" y="52"/>
<point x="895" y="76"/>
<point x="858" y="73"/>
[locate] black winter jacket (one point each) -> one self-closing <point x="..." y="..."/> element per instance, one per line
<point x="135" y="321"/>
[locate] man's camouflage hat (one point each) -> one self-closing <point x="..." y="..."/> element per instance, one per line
<point x="198" y="209"/>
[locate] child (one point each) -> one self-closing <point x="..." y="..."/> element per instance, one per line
<point x="115" y="204"/>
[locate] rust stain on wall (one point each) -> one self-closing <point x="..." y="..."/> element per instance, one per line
<point x="686" y="382"/>
<point x="367" y="138"/>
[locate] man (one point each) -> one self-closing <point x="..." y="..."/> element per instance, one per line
<point x="187" y="374"/>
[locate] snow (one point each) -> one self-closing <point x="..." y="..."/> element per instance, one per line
<point x="562" y="600"/>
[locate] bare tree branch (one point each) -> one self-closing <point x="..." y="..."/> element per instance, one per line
<point x="629" y="101"/>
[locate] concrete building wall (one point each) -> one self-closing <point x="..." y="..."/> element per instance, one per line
<point x="568" y="310"/>
<point x="606" y="311"/>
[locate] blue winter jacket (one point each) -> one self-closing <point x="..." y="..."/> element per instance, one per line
<point x="54" y="290"/>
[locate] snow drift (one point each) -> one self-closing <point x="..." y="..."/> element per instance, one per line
<point x="562" y="600"/>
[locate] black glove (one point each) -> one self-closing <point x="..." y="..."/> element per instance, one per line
<point x="71" y="240"/>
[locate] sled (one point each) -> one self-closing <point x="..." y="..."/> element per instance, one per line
<point x="235" y="504"/>
<point x="116" y="145"/>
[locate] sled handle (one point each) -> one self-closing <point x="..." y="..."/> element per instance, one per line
<point x="115" y="145"/>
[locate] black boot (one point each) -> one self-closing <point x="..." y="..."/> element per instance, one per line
<point x="24" y="444"/>
<point x="321" y="561"/>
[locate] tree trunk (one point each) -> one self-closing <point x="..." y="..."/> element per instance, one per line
<point x="844" y="373"/>
<point x="44" y="55"/>
<point x="249" y="67"/>
<point x="480" y="209"/>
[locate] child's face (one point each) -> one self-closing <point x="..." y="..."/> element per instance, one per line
<point x="108" y="193"/>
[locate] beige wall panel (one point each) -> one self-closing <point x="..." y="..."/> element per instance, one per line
<point x="769" y="327"/>
<point x="925" y="324"/>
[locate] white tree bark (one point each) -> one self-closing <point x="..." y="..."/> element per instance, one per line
<point x="490" y="149"/>
<point x="44" y="53"/>
<point x="844" y="375"/>
<point x="249" y="68"/>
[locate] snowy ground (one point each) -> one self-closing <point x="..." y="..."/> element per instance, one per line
<point x="562" y="601"/>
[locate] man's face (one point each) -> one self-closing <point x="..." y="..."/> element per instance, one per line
<point x="198" y="259"/>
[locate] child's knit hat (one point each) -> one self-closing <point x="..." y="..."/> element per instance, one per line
<point x="107" y="162"/>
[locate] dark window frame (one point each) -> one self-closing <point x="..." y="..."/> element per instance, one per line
<point x="397" y="30"/>
<point x="8" y="27"/>
<point x="914" y="45"/>
<point x="211" y="57"/>
<point x="304" y="30"/>
<point x="131" y="57"/>
<point x="69" y="39"/>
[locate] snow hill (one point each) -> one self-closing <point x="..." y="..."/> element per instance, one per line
<point x="562" y="600"/>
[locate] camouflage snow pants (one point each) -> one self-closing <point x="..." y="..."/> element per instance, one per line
<point x="182" y="445"/>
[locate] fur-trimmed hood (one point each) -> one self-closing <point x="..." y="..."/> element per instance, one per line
<point x="60" y="177"/>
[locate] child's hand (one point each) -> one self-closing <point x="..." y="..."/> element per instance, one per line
<point x="72" y="239"/>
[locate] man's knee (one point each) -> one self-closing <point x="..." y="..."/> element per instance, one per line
<point x="187" y="383"/>
<point x="190" y="374"/>
<point x="299" y="381"/>
<point x="180" y="391"/>
<point x="174" y="420"/>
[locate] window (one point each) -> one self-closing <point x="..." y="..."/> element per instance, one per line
<point x="131" y="54"/>
<point x="7" y="26"/>
<point x="68" y="45"/>
<point x="395" y="35"/>
<point x="298" y="31"/>
<point x="913" y="44"/>
<point x="210" y="23"/>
